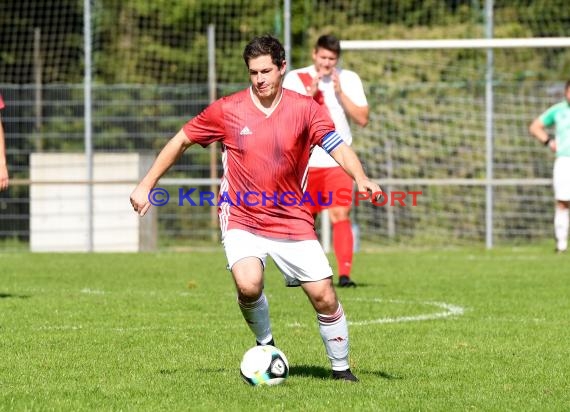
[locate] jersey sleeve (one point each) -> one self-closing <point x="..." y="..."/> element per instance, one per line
<point x="208" y="126"/>
<point x="548" y="117"/>
<point x="293" y="82"/>
<point x="2" y="105"/>
<point x="352" y="86"/>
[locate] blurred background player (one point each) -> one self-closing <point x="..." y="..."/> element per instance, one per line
<point x="558" y="115"/>
<point x="3" y="164"/>
<point x="267" y="133"/>
<point x="341" y="91"/>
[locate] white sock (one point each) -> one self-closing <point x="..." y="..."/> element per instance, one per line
<point x="561" y="222"/>
<point x="334" y="331"/>
<point x="256" y="314"/>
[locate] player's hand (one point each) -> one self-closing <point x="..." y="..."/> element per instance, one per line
<point x="372" y="188"/>
<point x="336" y="81"/>
<point x="552" y="145"/>
<point x="314" y="87"/>
<point x="139" y="200"/>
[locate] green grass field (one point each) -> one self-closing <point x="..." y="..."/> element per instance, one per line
<point x="431" y="330"/>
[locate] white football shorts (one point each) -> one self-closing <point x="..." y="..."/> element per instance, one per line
<point x="298" y="260"/>
<point x="561" y="178"/>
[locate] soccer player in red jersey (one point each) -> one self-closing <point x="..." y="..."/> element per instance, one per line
<point x="267" y="134"/>
<point x="3" y="164"/>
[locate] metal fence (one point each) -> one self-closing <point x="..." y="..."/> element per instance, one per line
<point x="426" y="132"/>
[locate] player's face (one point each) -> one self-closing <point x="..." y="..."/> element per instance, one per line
<point x="325" y="61"/>
<point x="265" y="77"/>
<point x="567" y="94"/>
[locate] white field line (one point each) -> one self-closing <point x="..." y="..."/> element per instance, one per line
<point x="446" y="310"/>
<point x="449" y="310"/>
<point x="92" y="291"/>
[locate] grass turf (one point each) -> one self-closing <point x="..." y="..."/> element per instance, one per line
<point x="431" y="330"/>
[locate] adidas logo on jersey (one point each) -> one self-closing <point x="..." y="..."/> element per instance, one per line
<point x="245" y="131"/>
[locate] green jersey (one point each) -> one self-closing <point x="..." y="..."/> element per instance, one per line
<point x="559" y="116"/>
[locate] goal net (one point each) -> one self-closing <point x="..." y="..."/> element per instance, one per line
<point x="450" y="119"/>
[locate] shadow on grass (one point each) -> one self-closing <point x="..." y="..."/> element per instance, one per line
<point x="383" y="375"/>
<point x="167" y="371"/>
<point x="323" y="373"/>
<point x="10" y="295"/>
<point x="360" y="284"/>
<point x="307" y="370"/>
<point x="301" y="371"/>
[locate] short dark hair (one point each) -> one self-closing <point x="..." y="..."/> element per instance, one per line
<point x="567" y="85"/>
<point x="265" y="45"/>
<point x="328" y="42"/>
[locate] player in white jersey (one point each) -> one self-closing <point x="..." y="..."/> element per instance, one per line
<point x="342" y="92"/>
<point x="558" y="115"/>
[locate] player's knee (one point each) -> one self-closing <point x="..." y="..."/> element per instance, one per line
<point x="248" y="293"/>
<point x="328" y="307"/>
<point x="325" y="303"/>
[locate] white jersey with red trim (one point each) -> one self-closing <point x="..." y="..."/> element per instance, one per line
<point x="351" y="86"/>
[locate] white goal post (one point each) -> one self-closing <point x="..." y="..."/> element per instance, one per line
<point x="455" y="43"/>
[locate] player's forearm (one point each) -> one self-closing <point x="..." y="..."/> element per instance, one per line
<point x="170" y="153"/>
<point x="3" y="162"/>
<point x="348" y="160"/>
<point x="358" y="114"/>
<point x="2" y="146"/>
<point x="538" y="131"/>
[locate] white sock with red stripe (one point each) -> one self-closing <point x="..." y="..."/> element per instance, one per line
<point x="334" y="331"/>
<point x="256" y="314"/>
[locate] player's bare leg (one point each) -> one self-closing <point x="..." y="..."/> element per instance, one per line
<point x="332" y="325"/>
<point x="248" y="278"/>
<point x="561" y="224"/>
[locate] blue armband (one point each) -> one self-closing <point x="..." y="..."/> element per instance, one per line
<point x="331" y="141"/>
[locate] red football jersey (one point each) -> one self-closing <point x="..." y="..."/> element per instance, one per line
<point x="1" y="103"/>
<point x="265" y="161"/>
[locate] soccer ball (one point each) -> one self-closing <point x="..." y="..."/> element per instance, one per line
<point x="264" y="365"/>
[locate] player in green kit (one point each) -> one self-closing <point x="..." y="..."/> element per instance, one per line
<point x="558" y="116"/>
